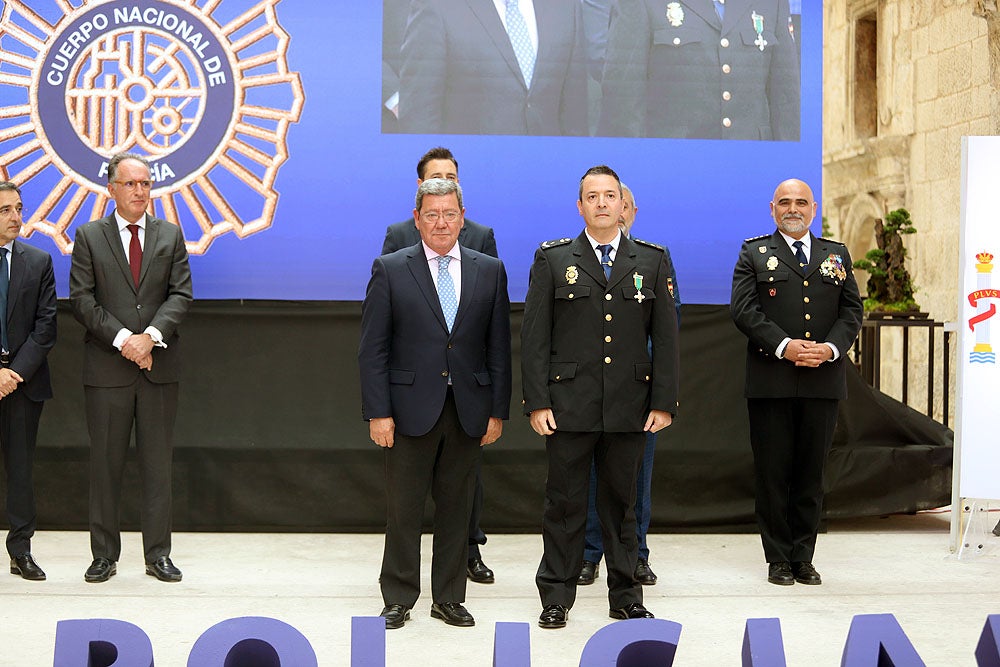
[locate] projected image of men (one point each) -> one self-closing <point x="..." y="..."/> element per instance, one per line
<point x="493" y="67"/>
<point x="726" y="69"/>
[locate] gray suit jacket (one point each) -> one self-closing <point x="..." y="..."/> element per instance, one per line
<point x="105" y="299"/>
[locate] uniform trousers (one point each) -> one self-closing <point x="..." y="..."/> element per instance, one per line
<point x="111" y="414"/>
<point x="444" y="462"/>
<point x="616" y="457"/>
<point x="790" y="438"/>
<point x="593" y="548"/>
<point x="19" y="417"/>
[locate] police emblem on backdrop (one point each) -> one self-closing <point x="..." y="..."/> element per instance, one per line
<point x="675" y="14"/>
<point x="161" y="78"/>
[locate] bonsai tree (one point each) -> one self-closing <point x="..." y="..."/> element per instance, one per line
<point x="889" y="286"/>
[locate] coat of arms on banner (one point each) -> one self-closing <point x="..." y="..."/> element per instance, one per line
<point x="983" y="353"/>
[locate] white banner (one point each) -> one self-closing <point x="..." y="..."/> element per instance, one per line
<point x="977" y="436"/>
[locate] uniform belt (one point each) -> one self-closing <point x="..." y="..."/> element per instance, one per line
<point x="4" y="358"/>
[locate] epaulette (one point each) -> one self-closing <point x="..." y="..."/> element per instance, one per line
<point x="823" y="238"/>
<point x="649" y="244"/>
<point x="554" y="243"/>
<point x="757" y="238"/>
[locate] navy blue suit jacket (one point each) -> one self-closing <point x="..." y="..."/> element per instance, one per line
<point x="31" y="318"/>
<point x="407" y="353"/>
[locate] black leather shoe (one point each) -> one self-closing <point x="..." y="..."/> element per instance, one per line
<point x="805" y="573"/>
<point x="780" y="573"/>
<point x="26" y="566"/>
<point x="588" y="573"/>
<point x="395" y="616"/>
<point x="634" y="610"/>
<point x="644" y="574"/>
<point x="478" y="572"/>
<point x="101" y="569"/>
<point x="163" y="569"/>
<point x="553" y="616"/>
<point x="453" y="613"/>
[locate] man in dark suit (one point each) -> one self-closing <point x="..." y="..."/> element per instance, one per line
<point x="130" y="287"/>
<point x="27" y="332"/>
<point x="471" y="67"/>
<point x="435" y="387"/>
<point x="440" y="163"/>
<point x="597" y="306"/>
<point x="796" y="299"/>
<point x="701" y="69"/>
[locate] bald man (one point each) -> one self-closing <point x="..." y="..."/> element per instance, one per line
<point x="795" y="298"/>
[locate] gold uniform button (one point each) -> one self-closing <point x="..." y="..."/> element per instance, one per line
<point x="726" y="95"/>
<point x="726" y="69"/>
<point x="570" y="295"/>
<point x="607" y="339"/>
<point x="806" y="299"/>
<point x="808" y="335"/>
<point x="724" y="43"/>
<point x="608" y="317"/>
<point x="607" y="297"/>
<point x="808" y="316"/>
<point x="726" y="122"/>
<point x="647" y="378"/>
<point x="607" y="360"/>
<point x="805" y="283"/>
<point x="558" y="377"/>
<point x="771" y="279"/>
<point x="677" y="40"/>
<point x="444" y="374"/>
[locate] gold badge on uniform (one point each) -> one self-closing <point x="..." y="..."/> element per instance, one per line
<point x="675" y="14"/>
<point x="762" y="249"/>
<point x="571" y="275"/>
<point x="637" y="281"/>
<point x="772" y="263"/>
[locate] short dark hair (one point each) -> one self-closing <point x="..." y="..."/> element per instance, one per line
<point x="8" y="185"/>
<point x="438" y="153"/>
<point x="599" y="170"/>
<point x="440" y="187"/>
<point x="118" y="158"/>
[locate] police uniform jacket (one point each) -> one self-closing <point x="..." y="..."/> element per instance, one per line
<point x="584" y="339"/>
<point x="675" y="69"/>
<point x="773" y="298"/>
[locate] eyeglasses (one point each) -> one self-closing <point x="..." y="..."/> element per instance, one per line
<point x="433" y="216"/>
<point x="132" y="185"/>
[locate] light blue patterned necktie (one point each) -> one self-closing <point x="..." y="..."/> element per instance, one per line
<point x="517" y="29"/>
<point x="446" y="291"/>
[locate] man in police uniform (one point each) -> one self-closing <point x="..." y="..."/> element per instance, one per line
<point x="701" y="69"/>
<point x="796" y="299"/>
<point x="593" y="389"/>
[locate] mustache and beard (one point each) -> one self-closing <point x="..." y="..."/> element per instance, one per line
<point x="793" y="223"/>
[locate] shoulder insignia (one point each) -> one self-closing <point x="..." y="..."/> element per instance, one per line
<point x="757" y="238"/>
<point x="823" y="238"/>
<point x="648" y="244"/>
<point x="554" y="243"/>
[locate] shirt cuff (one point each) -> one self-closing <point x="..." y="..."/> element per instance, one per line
<point x="780" y="352"/>
<point x="120" y="338"/>
<point x="836" y="352"/>
<point x="157" y="337"/>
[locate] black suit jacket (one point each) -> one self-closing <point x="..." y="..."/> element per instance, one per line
<point x="773" y="299"/>
<point x="31" y="318"/>
<point x="473" y="236"/>
<point x="586" y="340"/>
<point x="406" y="352"/>
<point x="105" y="300"/>
<point x="459" y="73"/>
<point x="686" y="73"/>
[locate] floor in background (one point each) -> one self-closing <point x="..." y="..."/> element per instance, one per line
<point x="710" y="584"/>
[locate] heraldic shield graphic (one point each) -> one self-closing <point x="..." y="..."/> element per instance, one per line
<point x="983" y="353"/>
<point x="199" y="87"/>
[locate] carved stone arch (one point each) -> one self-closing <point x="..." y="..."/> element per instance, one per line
<point x="858" y="230"/>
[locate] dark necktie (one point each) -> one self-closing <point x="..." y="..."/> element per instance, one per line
<point x="135" y="254"/>
<point x="605" y="249"/>
<point x="4" y="285"/>
<point x="800" y="253"/>
<point x="720" y="9"/>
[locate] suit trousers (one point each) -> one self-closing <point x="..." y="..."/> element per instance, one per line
<point x="19" y="417"/>
<point x="790" y="438"/>
<point x="593" y="546"/>
<point x="111" y="414"/>
<point x="443" y="461"/>
<point x="476" y="535"/>
<point x="616" y="457"/>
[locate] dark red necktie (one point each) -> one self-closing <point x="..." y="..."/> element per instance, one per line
<point x="135" y="254"/>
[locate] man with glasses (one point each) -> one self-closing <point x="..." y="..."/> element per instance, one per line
<point x="130" y="287"/>
<point x="28" y="332"/>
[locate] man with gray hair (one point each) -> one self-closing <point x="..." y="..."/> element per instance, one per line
<point x="435" y="386"/>
<point x="130" y="287"/>
<point x="28" y="332"/>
